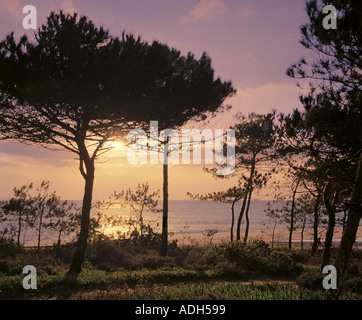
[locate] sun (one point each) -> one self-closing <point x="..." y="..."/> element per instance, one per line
<point x="116" y="148"/>
<point x="117" y="145"/>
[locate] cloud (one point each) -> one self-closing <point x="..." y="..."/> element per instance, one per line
<point x="248" y="12"/>
<point x="23" y="154"/>
<point x="10" y="10"/>
<point x="204" y="10"/>
<point x="68" y="6"/>
<point x="284" y="97"/>
<point x="11" y="6"/>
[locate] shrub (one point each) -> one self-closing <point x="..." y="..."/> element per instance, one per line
<point x="8" y="247"/>
<point x="354" y="285"/>
<point x="105" y="254"/>
<point x="255" y="256"/>
<point x="310" y="280"/>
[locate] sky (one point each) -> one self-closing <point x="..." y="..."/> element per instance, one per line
<point x="250" y="42"/>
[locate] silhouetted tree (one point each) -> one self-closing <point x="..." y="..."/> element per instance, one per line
<point x="139" y="201"/>
<point x="231" y="195"/>
<point x="78" y="88"/>
<point x="17" y="212"/>
<point x="333" y="107"/>
<point x="255" y="138"/>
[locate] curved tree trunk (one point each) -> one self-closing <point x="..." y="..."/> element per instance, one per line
<point x="241" y="214"/>
<point x="315" y="225"/>
<point x="249" y="186"/>
<point x="232" y="219"/>
<point x="78" y="256"/>
<point x="331" y="209"/>
<point x="353" y="219"/>
<point x="247" y="217"/>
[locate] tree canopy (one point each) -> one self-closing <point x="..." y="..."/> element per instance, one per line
<point x="77" y="87"/>
<point x="78" y="79"/>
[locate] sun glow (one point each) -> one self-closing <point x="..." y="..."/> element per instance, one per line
<point x="117" y="145"/>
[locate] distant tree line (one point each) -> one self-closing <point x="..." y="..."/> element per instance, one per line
<point x="40" y="212"/>
<point x="34" y="216"/>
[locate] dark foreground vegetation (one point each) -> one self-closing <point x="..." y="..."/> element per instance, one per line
<point x="122" y="269"/>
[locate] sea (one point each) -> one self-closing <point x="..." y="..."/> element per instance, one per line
<point x="195" y="217"/>
<point x="186" y="219"/>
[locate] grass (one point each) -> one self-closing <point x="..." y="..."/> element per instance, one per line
<point x="252" y="271"/>
<point x="156" y="285"/>
<point x="207" y="291"/>
<point x="177" y="284"/>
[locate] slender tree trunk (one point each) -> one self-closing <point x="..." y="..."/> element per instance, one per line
<point x="344" y="219"/>
<point x="232" y="219"/>
<point x="19" y="228"/>
<point x="292" y="215"/>
<point x="164" y="236"/>
<point x="241" y="214"/>
<point x="316" y="224"/>
<point x="247" y="217"/>
<point x="59" y="235"/>
<point x="40" y="226"/>
<point x="164" y="243"/>
<point x="275" y="225"/>
<point x="331" y="209"/>
<point x="249" y="185"/>
<point x="302" y="233"/>
<point x="78" y="257"/>
<point x="353" y="219"/>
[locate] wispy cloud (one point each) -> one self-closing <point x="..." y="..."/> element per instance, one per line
<point x="264" y="98"/>
<point x="68" y="6"/>
<point x="204" y="10"/>
<point x="11" y="6"/>
<point x="248" y="11"/>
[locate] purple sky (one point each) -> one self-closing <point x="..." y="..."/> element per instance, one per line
<point x="251" y="43"/>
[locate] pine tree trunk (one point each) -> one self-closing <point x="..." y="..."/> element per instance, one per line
<point x="331" y="209"/>
<point x="40" y="226"/>
<point x="315" y="225"/>
<point x="292" y="215"/>
<point x="247" y="217"/>
<point x="164" y="240"/>
<point x="19" y="228"/>
<point x="232" y="219"/>
<point x="249" y="186"/>
<point x="59" y="235"/>
<point x="302" y="233"/>
<point x="353" y="219"/>
<point x="164" y="236"/>
<point x="78" y="256"/>
<point x="273" y="234"/>
<point x="241" y="214"/>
